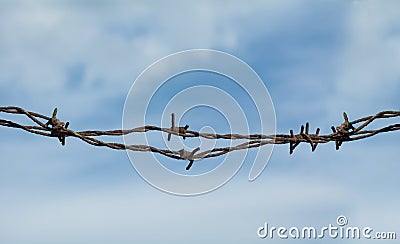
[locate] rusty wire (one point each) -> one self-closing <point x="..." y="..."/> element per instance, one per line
<point x="347" y="131"/>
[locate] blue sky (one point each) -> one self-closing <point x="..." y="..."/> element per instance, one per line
<point x="317" y="58"/>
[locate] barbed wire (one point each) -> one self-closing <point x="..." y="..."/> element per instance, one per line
<point x="347" y="131"/>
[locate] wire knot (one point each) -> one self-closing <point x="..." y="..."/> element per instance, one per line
<point x="183" y="154"/>
<point x="343" y="131"/>
<point x="296" y="139"/>
<point x="178" y="130"/>
<point x="58" y="128"/>
<point x="346" y="126"/>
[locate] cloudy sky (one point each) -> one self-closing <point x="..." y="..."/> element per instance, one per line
<point x="317" y="59"/>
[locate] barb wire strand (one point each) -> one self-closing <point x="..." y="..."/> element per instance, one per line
<point x="53" y="127"/>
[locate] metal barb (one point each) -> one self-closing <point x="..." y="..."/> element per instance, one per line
<point x="291" y="143"/>
<point x="180" y="131"/>
<point x="314" y="146"/>
<point x="188" y="156"/>
<point x="172" y="125"/>
<point x="307" y="137"/>
<point x="57" y="127"/>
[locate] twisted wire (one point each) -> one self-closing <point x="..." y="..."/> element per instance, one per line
<point x="347" y="131"/>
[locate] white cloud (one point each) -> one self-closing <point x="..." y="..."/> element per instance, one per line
<point x="125" y="213"/>
<point x="368" y="76"/>
<point x="115" y="42"/>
